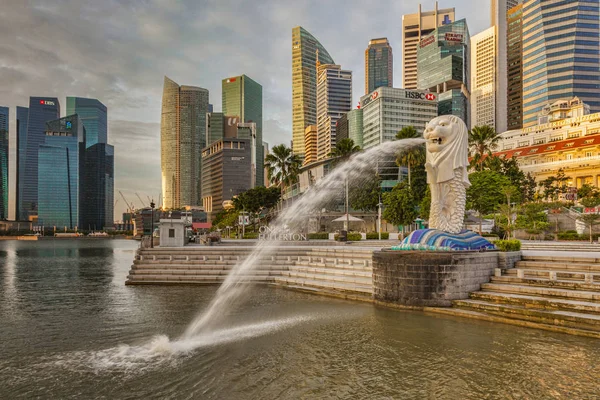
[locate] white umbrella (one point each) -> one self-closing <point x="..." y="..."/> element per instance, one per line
<point x="349" y="218"/>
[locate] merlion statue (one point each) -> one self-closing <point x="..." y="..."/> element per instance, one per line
<point x="447" y="159"/>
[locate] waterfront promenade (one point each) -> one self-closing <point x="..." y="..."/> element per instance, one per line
<point x="555" y="286"/>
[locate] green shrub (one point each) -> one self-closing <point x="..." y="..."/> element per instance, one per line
<point x="352" y="237"/>
<point x="375" y="236"/>
<point x="508" y="245"/>
<point x="548" y="237"/>
<point x="568" y="235"/>
<point x="318" y="236"/>
<point x="251" y="235"/>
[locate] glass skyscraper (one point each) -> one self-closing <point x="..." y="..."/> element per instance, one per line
<point x="242" y="97"/>
<point x="41" y="110"/>
<point x="561" y="57"/>
<point x="98" y="180"/>
<point x="22" y="118"/>
<point x="3" y="163"/>
<point x="515" y="67"/>
<point x="379" y="65"/>
<point x="182" y="138"/>
<point x="350" y="126"/>
<point x="93" y="115"/>
<point x="304" y="83"/>
<point x="59" y="185"/>
<point x="443" y="67"/>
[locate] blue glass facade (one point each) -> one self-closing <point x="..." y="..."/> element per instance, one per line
<point x="41" y="110"/>
<point x="560" y="37"/>
<point x="93" y="114"/>
<point x="59" y="173"/>
<point x="3" y="163"/>
<point x="22" y="117"/>
<point x="98" y="187"/>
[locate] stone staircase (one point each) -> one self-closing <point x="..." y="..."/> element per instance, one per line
<point x="553" y="293"/>
<point x="560" y="246"/>
<point x="335" y="271"/>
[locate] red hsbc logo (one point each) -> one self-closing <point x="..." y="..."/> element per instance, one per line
<point x="374" y="96"/>
<point x="420" y="96"/>
<point x="430" y="96"/>
<point x="47" y="102"/>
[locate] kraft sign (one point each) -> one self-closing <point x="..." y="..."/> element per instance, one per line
<point x="420" y="96"/>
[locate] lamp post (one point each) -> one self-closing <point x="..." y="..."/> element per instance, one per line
<point x="379" y="216"/>
<point x="152" y="224"/>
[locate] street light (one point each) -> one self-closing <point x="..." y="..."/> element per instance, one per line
<point x="379" y="205"/>
<point x="152" y="224"/>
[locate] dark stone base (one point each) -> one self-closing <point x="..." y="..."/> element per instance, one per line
<point x="423" y="278"/>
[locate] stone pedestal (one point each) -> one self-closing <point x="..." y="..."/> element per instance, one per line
<point x="424" y="278"/>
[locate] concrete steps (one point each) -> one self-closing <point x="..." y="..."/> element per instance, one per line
<point x="335" y="271"/>
<point x="561" y="246"/>
<point x="553" y="293"/>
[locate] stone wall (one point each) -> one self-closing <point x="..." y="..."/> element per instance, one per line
<point x="507" y="260"/>
<point x="421" y="278"/>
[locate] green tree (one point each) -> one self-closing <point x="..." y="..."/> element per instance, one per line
<point x="258" y="198"/>
<point x="400" y="205"/>
<point x="365" y="196"/>
<point x="482" y="141"/>
<point x="554" y="185"/>
<point x="411" y="157"/>
<point x="425" y="204"/>
<point x="344" y="149"/>
<point x="590" y="220"/>
<point x="487" y="191"/>
<point x="587" y="191"/>
<point x="283" y="166"/>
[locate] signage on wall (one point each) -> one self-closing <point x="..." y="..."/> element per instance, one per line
<point x="427" y="41"/>
<point x="370" y="98"/>
<point x="230" y="80"/>
<point x="454" y="37"/>
<point x="420" y="96"/>
<point x="47" y="102"/>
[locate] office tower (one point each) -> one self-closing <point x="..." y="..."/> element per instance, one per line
<point x="59" y="183"/>
<point x="350" y="126"/>
<point x="560" y="54"/>
<point x="334" y="99"/>
<point x="21" y="135"/>
<point x="265" y="173"/>
<point x="387" y="110"/>
<point x="414" y="28"/>
<point x="4" y="117"/>
<point x="379" y="65"/>
<point x="92" y="114"/>
<point x="514" y="51"/>
<point x="98" y="184"/>
<point x="483" y="79"/>
<point x="310" y="144"/>
<point x="219" y="126"/>
<point x="41" y="110"/>
<point x="304" y="83"/>
<point x="226" y="172"/>
<point x="242" y="97"/>
<point x="210" y="108"/>
<point x="182" y="136"/>
<point x="443" y="68"/>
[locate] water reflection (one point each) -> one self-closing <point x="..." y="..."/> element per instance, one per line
<point x="70" y="328"/>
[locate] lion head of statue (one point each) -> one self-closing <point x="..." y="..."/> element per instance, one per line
<point x="447" y="147"/>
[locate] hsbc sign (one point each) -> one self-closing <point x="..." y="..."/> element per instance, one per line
<point x="420" y="96"/>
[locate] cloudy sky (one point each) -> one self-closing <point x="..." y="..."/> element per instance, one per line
<point x="119" y="50"/>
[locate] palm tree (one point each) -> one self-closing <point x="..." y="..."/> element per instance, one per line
<point x="414" y="156"/>
<point x="344" y="149"/>
<point x="482" y="141"/>
<point x="283" y="166"/>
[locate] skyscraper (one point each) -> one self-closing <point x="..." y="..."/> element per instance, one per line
<point x="304" y="83"/>
<point x="515" y="68"/>
<point x="310" y="144"/>
<point x="350" y="126"/>
<point x="379" y="65"/>
<point x="242" y="97"/>
<point x="443" y="68"/>
<point x="483" y="79"/>
<point x="4" y="114"/>
<point x="92" y="113"/>
<point x="41" y="110"/>
<point x="334" y="99"/>
<point x="560" y="54"/>
<point x="97" y="200"/>
<point x="182" y="136"/>
<point x="59" y="183"/>
<point x="414" y="27"/>
<point x="21" y="147"/>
